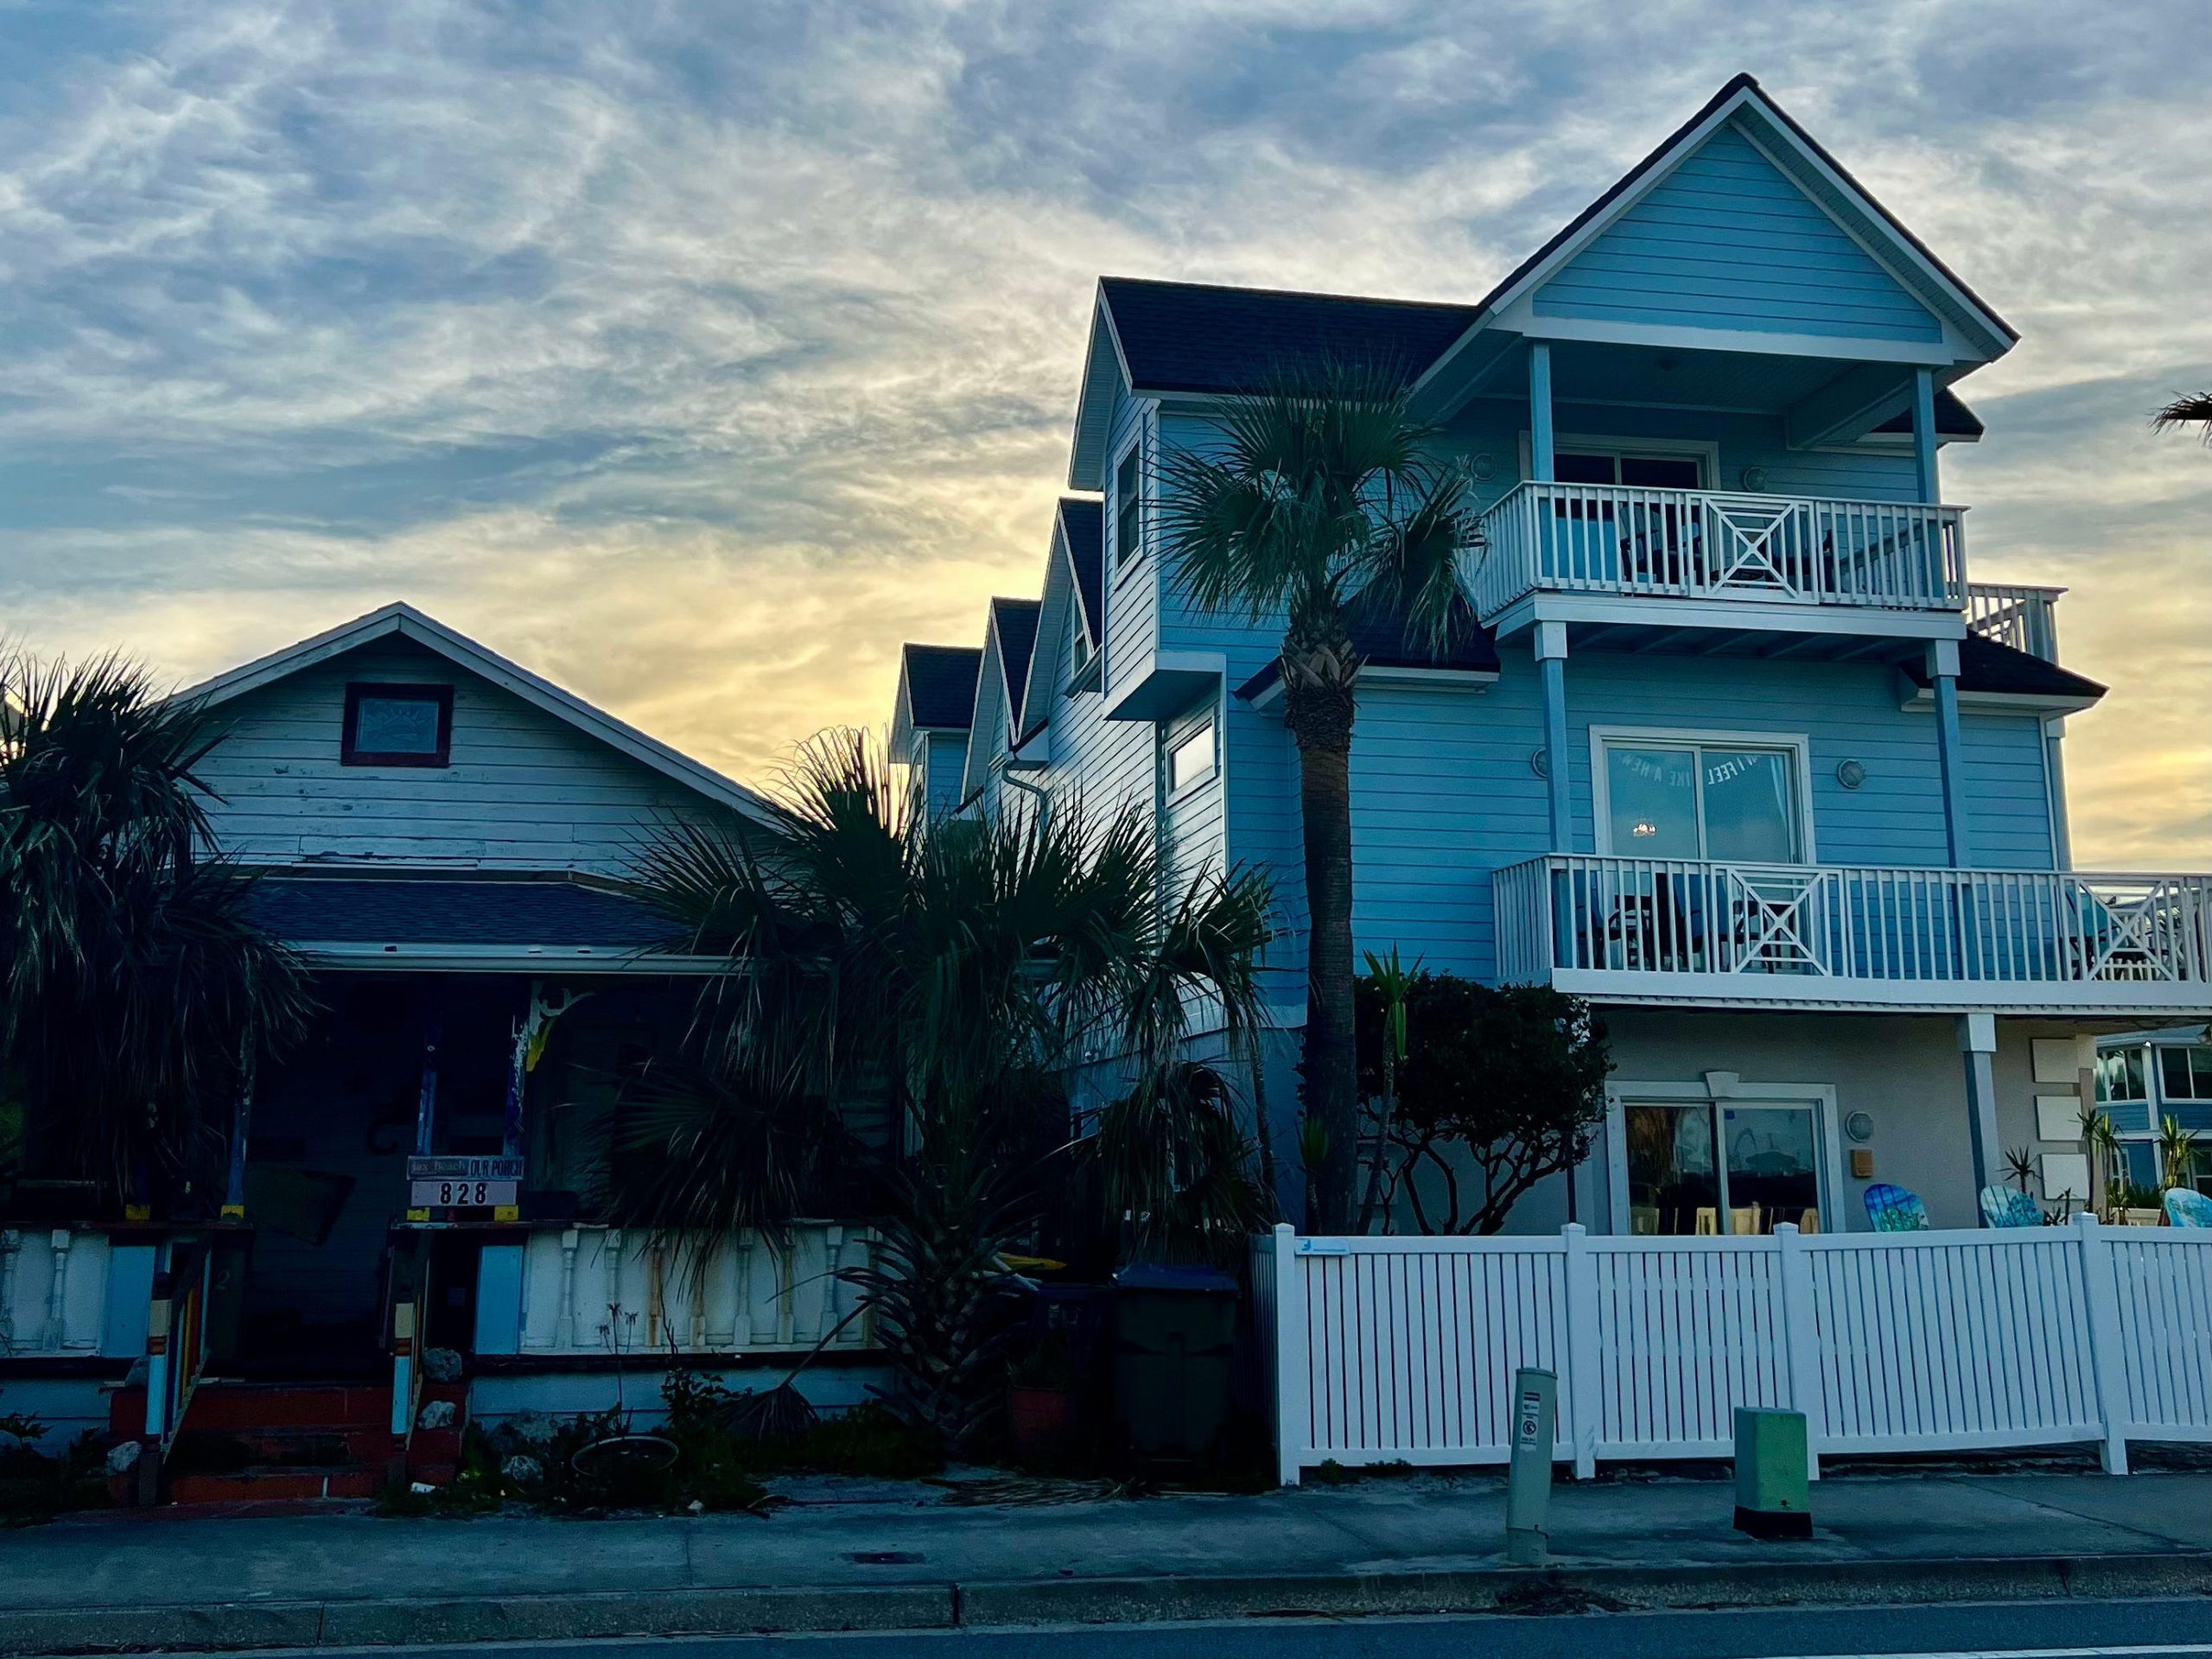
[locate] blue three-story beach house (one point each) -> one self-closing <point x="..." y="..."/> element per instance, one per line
<point x="1742" y="752"/>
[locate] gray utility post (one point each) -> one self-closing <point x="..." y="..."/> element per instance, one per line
<point x="1528" y="1481"/>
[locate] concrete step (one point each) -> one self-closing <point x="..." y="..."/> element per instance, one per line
<point x="258" y="1485"/>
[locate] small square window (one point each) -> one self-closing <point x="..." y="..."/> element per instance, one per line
<point x="397" y="726"/>
<point x="2120" y="1076"/>
<point x="1128" y="507"/>
<point x="1191" y="761"/>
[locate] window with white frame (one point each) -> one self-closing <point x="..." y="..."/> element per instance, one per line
<point x="1190" y="758"/>
<point x="1128" y="506"/>
<point x="1744" y="1166"/>
<point x="1734" y="800"/>
<point x="2184" y="1072"/>
<point x="1591" y="463"/>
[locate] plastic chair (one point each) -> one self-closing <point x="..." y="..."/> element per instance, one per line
<point x="2007" y="1206"/>
<point x="2187" y="1209"/>
<point x="1894" y="1209"/>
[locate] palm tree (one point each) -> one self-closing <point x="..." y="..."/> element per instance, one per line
<point x="2195" y="411"/>
<point x="134" y="982"/>
<point x="1318" y="496"/>
<point x="932" y="985"/>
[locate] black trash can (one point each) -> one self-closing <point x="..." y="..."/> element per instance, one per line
<point x="1174" y="1342"/>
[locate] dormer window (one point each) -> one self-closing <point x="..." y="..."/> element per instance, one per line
<point x="397" y="726"/>
<point x="1128" y="507"/>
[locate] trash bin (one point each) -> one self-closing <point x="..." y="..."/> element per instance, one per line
<point x="1174" y="1340"/>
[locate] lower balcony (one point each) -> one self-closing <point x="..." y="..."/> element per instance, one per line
<point x="1683" y="932"/>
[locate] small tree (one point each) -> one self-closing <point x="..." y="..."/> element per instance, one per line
<point x="1498" y="1090"/>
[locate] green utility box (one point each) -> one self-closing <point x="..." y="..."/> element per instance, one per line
<point x="1174" y="1342"/>
<point x="1773" y="1492"/>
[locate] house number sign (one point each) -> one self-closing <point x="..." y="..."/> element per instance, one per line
<point x="462" y="1183"/>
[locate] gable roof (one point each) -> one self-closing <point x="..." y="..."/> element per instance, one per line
<point x="1015" y="621"/>
<point x="1195" y="339"/>
<point x="1083" y="526"/>
<point x="938" y="685"/>
<point x="399" y="621"/>
<point x="1994" y="669"/>
<point x="1191" y="338"/>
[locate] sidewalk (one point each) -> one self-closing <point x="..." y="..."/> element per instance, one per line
<point x="877" y="1559"/>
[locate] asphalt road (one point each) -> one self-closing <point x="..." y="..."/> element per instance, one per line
<point x="2067" y="1629"/>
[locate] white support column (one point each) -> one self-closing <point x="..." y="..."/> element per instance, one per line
<point x="564" y="1321"/>
<point x="1582" y="1355"/>
<point x="1542" y="464"/>
<point x="1923" y="434"/>
<point x="1978" y="1043"/>
<point x="1943" y="677"/>
<point x="1294" y="1410"/>
<point x="1801" y="1338"/>
<point x="2101" y="1292"/>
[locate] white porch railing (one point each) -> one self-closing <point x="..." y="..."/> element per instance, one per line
<point x="53" y="1292"/>
<point x="1810" y="934"/>
<point x="2025" y="619"/>
<point x="742" y="1295"/>
<point x="1404" y="1348"/>
<point x="1598" y="538"/>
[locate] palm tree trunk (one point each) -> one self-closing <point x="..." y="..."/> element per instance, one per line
<point x="1317" y="674"/>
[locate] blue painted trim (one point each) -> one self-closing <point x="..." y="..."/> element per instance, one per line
<point x="1924" y="434"/>
<point x="1951" y="757"/>
<point x="1561" y="783"/>
<point x="498" y="1300"/>
<point x="1542" y="445"/>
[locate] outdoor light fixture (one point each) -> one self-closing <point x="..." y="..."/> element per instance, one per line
<point x="1850" y="773"/>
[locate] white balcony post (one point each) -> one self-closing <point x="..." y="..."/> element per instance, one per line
<point x="1542" y="465"/>
<point x="1923" y="434"/>
<point x="1978" y="1043"/>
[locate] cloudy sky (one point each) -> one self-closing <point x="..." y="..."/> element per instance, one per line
<point x="695" y="354"/>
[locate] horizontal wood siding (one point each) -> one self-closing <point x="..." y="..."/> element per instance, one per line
<point x="1726" y="241"/>
<point x="945" y="755"/>
<point x="524" y="789"/>
<point x="1444" y="791"/>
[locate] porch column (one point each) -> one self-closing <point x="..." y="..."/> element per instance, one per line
<point x="1541" y="466"/>
<point x="1943" y="677"/>
<point x="1551" y="667"/>
<point x="241" y="1121"/>
<point x="426" y="1102"/>
<point x="1978" y="1043"/>
<point x="2054" y="770"/>
<point x="1923" y="434"/>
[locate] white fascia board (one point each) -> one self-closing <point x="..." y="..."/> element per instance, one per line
<point x="402" y="621"/>
<point x="1921" y="701"/>
<point x="1746" y="615"/>
<point x="1087" y="456"/>
<point x="1521" y="318"/>
<point x="1812" y="994"/>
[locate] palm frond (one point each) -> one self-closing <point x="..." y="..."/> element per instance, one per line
<point x="2195" y="409"/>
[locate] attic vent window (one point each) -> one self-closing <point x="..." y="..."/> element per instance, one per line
<point x="1128" y="507"/>
<point x="397" y="726"/>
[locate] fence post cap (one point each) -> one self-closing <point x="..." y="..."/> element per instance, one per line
<point x="1785" y="1229"/>
<point x="1574" y="1229"/>
<point x="2084" y="1220"/>
<point x="1284" y="1230"/>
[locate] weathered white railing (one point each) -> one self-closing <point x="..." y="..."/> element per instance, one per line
<point x="53" y="1292"/>
<point x="1821" y="932"/>
<point x="1389" y="1350"/>
<point x="600" y="1290"/>
<point x="2025" y="619"/>
<point x="1603" y="538"/>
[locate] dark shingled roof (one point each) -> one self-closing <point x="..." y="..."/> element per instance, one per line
<point x="1017" y="625"/>
<point x="1986" y="665"/>
<point x="1953" y="419"/>
<point x="397" y="910"/>
<point x="1191" y="337"/>
<point x="1084" y="520"/>
<point x="941" y="685"/>
<point x="1382" y="636"/>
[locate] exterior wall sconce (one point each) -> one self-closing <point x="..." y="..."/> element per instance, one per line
<point x="1483" y="466"/>
<point x="1850" y="773"/>
<point x="1754" y="479"/>
<point x="1540" y="763"/>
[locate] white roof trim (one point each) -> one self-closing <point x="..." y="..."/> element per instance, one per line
<point x="402" y="621"/>
<point x="1086" y="461"/>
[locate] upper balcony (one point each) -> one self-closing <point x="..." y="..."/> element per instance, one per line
<point x="1616" y="556"/>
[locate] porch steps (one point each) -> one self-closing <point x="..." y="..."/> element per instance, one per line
<point x="250" y="1442"/>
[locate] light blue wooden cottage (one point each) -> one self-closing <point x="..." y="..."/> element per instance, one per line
<point x="1740" y="753"/>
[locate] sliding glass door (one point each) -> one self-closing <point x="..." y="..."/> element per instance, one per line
<point x="1711" y="1167"/>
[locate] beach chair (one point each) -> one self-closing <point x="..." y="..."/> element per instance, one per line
<point x="1894" y="1209"/>
<point x="2007" y="1206"/>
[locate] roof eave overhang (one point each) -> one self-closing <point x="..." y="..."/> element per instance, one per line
<point x="367" y="955"/>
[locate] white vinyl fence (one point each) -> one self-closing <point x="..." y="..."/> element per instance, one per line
<point x="1403" y="1349"/>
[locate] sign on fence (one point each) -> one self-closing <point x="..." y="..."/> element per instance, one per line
<point x="1405" y="1348"/>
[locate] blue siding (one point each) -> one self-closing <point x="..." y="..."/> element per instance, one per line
<point x="1726" y="241"/>
<point x="1132" y="587"/>
<point x="946" y="755"/>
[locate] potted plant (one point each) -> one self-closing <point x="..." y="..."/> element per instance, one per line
<point x="1041" y="1400"/>
<point x="2177" y="1154"/>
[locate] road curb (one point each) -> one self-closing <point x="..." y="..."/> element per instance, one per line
<point x="244" y="1626"/>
